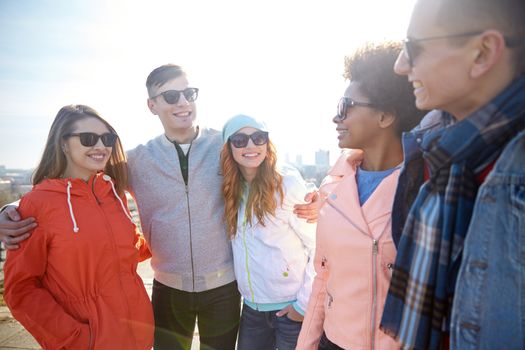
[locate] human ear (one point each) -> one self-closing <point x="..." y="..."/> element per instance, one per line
<point x="487" y="52"/>
<point x="151" y="106"/>
<point x="386" y="120"/>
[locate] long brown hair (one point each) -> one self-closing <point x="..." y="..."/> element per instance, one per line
<point x="53" y="162"/>
<point x="261" y="200"/>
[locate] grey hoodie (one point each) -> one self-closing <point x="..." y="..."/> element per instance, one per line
<point x="183" y="225"/>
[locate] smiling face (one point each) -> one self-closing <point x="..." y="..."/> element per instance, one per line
<point x="440" y="73"/>
<point x="177" y="119"/>
<point x="249" y="158"/>
<point x="360" y="127"/>
<point x="82" y="161"/>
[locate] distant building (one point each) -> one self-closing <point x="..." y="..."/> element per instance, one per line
<point x="309" y="172"/>
<point x="5" y="185"/>
<point x="19" y="177"/>
<point x="322" y="159"/>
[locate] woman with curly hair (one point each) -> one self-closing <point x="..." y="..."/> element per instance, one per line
<point x="272" y="248"/>
<point x="355" y="251"/>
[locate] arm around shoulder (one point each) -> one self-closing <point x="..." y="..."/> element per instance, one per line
<point x="13" y="229"/>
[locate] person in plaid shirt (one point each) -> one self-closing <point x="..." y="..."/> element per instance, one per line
<point x="459" y="268"/>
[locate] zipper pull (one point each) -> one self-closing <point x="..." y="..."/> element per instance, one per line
<point x="323" y="262"/>
<point x="374" y="247"/>
<point x="330" y="300"/>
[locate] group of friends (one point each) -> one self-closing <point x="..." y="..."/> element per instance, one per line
<point x="412" y="241"/>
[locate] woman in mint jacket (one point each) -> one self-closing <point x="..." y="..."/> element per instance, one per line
<point x="272" y="248"/>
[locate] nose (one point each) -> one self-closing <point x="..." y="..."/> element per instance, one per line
<point x="402" y="66"/>
<point x="182" y="100"/>
<point x="336" y="119"/>
<point x="250" y="143"/>
<point x="99" y="144"/>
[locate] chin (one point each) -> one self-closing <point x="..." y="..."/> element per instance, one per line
<point x="424" y="105"/>
<point x="343" y="144"/>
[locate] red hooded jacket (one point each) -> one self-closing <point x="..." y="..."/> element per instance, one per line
<point x="74" y="284"/>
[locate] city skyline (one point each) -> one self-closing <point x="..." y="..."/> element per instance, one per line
<point x="286" y="157"/>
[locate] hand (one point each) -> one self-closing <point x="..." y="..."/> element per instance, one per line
<point x="309" y="210"/>
<point x="12" y="229"/>
<point x="291" y="313"/>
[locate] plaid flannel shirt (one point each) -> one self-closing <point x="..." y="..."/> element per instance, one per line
<point x="417" y="308"/>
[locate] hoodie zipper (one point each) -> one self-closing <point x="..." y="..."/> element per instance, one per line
<point x="93" y="190"/>
<point x="186" y="190"/>
<point x="108" y="225"/>
<point x="246" y="259"/>
<point x="191" y="240"/>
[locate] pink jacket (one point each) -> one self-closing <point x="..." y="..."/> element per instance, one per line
<point x="353" y="262"/>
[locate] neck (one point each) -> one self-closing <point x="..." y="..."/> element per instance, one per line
<point x="385" y="154"/>
<point x="73" y="175"/>
<point x="182" y="136"/>
<point x="248" y="174"/>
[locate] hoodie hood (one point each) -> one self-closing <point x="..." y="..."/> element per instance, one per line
<point x="95" y="185"/>
<point x="99" y="186"/>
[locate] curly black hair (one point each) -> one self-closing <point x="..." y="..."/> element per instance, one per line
<point x="372" y="68"/>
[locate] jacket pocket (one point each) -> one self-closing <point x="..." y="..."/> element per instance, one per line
<point x="85" y="338"/>
<point x="91" y="344"/>
<point x="387" y="258"/>
<point x="329" y="300"/>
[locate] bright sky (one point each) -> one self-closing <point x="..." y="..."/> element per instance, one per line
<point x="278" y="60"/>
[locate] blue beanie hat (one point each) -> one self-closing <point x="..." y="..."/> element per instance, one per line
<point x="238" y="122"/>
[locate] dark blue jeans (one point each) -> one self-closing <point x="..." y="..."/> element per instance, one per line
<point x="326" y="344"/>
<point x="216" y="311"/>
<point x="263" y="330"/>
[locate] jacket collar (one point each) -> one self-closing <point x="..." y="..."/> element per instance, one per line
<point x="341" y="192"/>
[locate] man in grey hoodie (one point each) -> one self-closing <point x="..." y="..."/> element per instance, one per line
<point x="176" y="181"/>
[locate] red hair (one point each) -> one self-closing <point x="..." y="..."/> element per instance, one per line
<point x="261" y="200"/>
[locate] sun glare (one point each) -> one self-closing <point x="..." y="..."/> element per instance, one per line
<point x="281" y="61"/>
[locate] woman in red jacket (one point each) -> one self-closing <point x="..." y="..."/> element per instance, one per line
<point x="74" y="284"/>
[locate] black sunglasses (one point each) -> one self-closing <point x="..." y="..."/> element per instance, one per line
<point x="347" y="102"/>
<point x="240" y="140"/>
<point x="172" y="96"/>
<point x="412" y="49"/>
<point x="90" y="139"/>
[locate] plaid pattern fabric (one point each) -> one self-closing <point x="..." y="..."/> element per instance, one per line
<point x="419" y="300"/>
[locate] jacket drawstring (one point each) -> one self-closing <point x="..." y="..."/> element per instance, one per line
<point x="108" y="178"/>
<point x="75" y="227"/>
